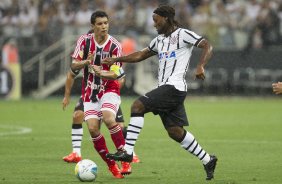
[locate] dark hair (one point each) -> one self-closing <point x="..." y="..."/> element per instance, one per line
<point x="96" y="14"/>
<point x="169" y="12"/>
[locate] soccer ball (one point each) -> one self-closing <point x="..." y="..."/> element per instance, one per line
<point x="86" y="170"/>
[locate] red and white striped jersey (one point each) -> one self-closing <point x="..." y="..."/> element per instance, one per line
<point x="93" y="86"/>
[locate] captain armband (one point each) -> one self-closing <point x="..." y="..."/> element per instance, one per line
<point x="117" y="70"/>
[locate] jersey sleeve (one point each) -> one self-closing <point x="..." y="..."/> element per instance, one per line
<point x="153" y="45"/>
<point x="79" y="48"/>
<point x="117" y="52"/>
<point x="189" y="37"/>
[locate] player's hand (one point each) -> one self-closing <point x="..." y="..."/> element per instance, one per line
<point x="97" y="69"/>
<point x="65" y="102"/>
<point x="89" y="59"/>
<point x="277" y="88"/>
<point x="200" y="72"/>
<point x="108" y="61"/>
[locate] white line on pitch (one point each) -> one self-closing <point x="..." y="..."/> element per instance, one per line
<point x="14" y="130"/>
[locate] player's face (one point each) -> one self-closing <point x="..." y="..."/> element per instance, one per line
<point x="101" y="26"/>
<point x="160" y="23"/>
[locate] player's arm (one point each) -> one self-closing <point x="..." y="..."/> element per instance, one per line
<point x="115" y="72"/>
<point x="68" y="86"/>
<point x="277" y="88"/>
<point x="204" y="58"/>
<point x="77" y="65"/>
<point x="131" y="58"/>
<point x="121" y="81"/>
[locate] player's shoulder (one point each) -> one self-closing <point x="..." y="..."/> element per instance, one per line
<point x="84" y="37"/>
<point x="185" y="31"/>
<point x="114" y="40"/>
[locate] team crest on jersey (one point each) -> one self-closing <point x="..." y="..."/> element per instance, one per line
<point x="167" y="55"/>
<point x="173" y="40"/>
<point x="80" y="53"/>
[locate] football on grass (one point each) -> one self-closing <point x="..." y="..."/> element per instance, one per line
<point x="86" y="170"/>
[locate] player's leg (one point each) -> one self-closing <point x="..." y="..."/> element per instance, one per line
<point x="109" y="106"/>
<point x="125" y="166"/>
<point x="120" y="121"/>
<point x="76" y="133"/>
<point x="174" y="122"/>
<point x="134" y="128"/>
<point x="93" y="117"/>
<point x="190" y="144"/>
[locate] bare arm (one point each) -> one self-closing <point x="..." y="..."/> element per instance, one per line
<point x="121" y="82"/>
<point x="205" y="57"/>
<point x="77" y="65"/>
<point x="68" y="86"/>
<point x="104" y="74"/>
<point x="131" y="58"/>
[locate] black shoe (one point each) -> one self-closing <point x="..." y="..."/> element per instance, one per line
<point x="210" y="167"/>
<point x="120" y="155"/>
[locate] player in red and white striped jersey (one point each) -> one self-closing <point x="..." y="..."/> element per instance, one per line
<point x="101" y="90"/>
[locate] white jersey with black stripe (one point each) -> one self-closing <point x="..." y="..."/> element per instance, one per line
<point x="174" y="54"/>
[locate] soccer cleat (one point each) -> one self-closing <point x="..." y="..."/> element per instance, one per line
<point x="135" y="159"/>
<point x="125" y="168"/>
<point x="120" y="155"/>
<point x="72" y="157"/>
<point x="210" y="167"/>
<point x="114" y="169"/>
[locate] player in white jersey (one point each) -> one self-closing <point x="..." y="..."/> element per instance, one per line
<point x="174" y="47"/>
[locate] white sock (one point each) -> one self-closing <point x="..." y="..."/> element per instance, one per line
<point x="76" y="137"/>
<point x="190" y="144"/>
<point x="133" y="130"/>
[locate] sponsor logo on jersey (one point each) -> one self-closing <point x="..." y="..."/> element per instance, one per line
<point x="167" y="55"/>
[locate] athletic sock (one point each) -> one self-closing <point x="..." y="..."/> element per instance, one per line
<point x="76" y="138"/>
<point x="124" y="130"/>
<point x="101" y="147"/>
<point x="117" y="136"/>
<point x="133" y="130"/>
<point x="190" y="144"/>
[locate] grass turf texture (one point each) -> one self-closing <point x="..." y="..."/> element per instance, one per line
<point x="245" y="134"/>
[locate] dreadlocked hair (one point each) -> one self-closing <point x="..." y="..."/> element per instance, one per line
<point x="168" y="12"/>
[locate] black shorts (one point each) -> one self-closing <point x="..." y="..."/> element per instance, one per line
<point x="168" y="102"/>
<point x="79" y="106"/>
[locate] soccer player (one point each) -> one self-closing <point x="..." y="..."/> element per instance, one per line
<point x="78" y="118"/>
<point x="173" y="46"/>
<point x="277" y="88"/>
<point x="101" y="93"/>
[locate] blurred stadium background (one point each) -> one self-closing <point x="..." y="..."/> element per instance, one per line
<point x="37" y="37"/>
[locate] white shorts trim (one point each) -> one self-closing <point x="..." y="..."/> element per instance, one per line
<point x="109" y="102"/>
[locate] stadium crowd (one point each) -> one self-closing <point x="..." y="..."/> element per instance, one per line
<point x="226" y="23"/>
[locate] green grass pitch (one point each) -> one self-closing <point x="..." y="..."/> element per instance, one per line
<point x="244" y="133"/>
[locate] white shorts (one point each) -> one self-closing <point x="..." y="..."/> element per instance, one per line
<point x="109" y="102"/>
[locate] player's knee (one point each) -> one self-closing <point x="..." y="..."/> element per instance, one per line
<point x="78" y="117"/>
<point x="137" y="107"/>
<point x="94" y="131"/>
<point x="109" y="121"/>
